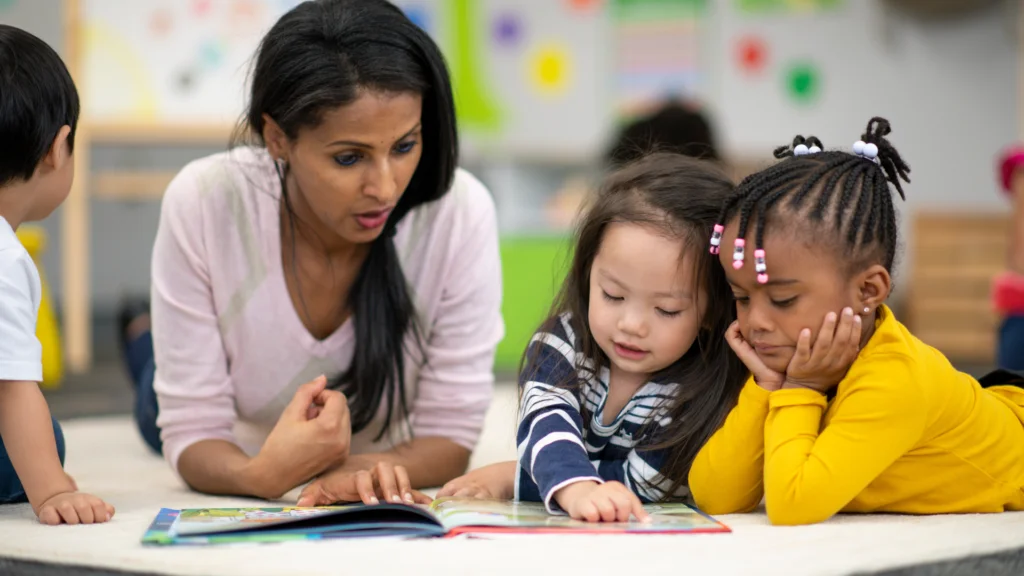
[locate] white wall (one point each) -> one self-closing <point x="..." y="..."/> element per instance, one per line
<point x="950" y="90"/>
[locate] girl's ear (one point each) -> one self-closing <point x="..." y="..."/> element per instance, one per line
<point x="873" y="288"/>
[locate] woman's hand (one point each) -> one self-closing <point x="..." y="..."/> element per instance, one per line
<point x="765" y="377"/>
<point x="494" y="482"/>
<point x="313" y="433"/>
<point x="824" y="365"/>
<point x="384" y="481"/>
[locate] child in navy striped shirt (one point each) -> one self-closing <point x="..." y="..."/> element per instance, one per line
<point x="631" y="374"/>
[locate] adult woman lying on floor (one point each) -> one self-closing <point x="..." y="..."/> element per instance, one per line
<point x="345" y="243"/>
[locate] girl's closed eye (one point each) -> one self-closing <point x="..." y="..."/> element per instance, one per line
<point x="785" y="303"/>
<point x="741" y="299"/>
<point x="611" y="298"/>
<point x="669" y="313"/>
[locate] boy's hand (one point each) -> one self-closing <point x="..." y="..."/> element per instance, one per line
<point x="824" y="365"/>
<point x="593" y="502"/>
<point x="74" y="508"/>
<point x="494" y="482"/>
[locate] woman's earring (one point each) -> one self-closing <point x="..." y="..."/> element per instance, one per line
<point x="867" y="310"/>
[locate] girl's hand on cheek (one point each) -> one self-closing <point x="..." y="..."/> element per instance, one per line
<point x="821" y="367"/>
<point x="765" y="377"/>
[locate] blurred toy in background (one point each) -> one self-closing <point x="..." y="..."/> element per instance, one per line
<point x="1008" y="289"/>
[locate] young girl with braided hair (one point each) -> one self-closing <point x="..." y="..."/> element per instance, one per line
<point x="846" y="410"/>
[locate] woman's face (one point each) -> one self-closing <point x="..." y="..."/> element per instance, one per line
<point x="348" y="172"/>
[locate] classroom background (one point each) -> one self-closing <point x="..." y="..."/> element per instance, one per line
<point x="542" y="89"/>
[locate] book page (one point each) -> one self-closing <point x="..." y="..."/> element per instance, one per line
<point x="457" y="514"/>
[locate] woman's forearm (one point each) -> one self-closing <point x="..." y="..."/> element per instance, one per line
<point x="220" y="467"/>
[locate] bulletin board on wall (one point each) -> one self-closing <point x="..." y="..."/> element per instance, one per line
<point x="532" y="78"/>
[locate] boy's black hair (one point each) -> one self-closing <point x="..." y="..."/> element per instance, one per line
<point x="37" y="99"/>
<point x="843" y="196"/>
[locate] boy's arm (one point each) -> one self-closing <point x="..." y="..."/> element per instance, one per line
<point x="727" y="475"/>
<point x="27" y="432"/>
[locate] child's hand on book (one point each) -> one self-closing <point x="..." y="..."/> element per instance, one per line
<point x="765" y="377"/>
<point x="821" y="367"/>
<point x="593" y="502"/>
<point x="74" y="508"/>
<point x="494" y="482"/>
<point x="384" y="481"/>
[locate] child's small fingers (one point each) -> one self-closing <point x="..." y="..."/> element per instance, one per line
<point x="84" y="510"/>
<point x="68" y="513"/>
<point x="99" y="511"/>
<point x="48" y="515"/>
<point x="826" y="335"/>
<point x="606" y="508"/>
<point x="110" y="511"/>
<point x="590" y="512"/>
<point x="803" y="347"/>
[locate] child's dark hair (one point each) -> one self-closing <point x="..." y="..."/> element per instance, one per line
<point x="844" y="197"/>
<point x="318" y="57"/>
<point x="37" y="99"/>
<point x="672" y="128"/>
<point x="680" y="197"/>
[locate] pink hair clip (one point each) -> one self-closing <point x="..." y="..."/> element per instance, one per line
<point x="716" y="238"/>
<point x="760" y="267"/>
<point x="737" y="254"/>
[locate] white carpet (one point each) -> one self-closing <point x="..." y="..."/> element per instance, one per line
<point x="108" y="459"/>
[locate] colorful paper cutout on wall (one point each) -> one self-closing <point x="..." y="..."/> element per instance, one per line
<point x="160" y="23"/>
<point x="550" y="69"/>
<point x="584" y="5"/>
<point x="474" y="104"/>
<point x="751" y="54"/>
<point x="659" y="10"/>
<point x="201" y="8"/>
<point x="763" y="6"/>
<point x="803" y="82"/>
<point x="507" y="29"/>
<point x="656" y="43"/>
<point x="419" y="15"/>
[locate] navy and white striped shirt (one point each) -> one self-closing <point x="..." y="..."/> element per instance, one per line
<point x="556" y="449"/>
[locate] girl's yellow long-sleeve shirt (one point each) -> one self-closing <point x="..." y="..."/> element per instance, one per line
<point x="905" y="433"/>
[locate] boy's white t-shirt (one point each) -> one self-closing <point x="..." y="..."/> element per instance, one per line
<point x="21" y="354"/>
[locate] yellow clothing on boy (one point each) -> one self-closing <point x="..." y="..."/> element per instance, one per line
<point x="905" y="433"/>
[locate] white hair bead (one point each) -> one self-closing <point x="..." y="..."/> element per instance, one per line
<point x="813" y="150"/>
<point x="799" y="150"/>
<point x="858" y="147"/>
<point x="870" y="151"/>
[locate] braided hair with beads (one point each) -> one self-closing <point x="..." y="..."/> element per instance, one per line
<point x="841" y="193"/>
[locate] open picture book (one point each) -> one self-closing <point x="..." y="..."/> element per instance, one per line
<point x="446" y="517"/>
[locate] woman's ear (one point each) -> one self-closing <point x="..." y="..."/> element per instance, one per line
<point x="276" y="140"/>
<point x="873" y="287"/>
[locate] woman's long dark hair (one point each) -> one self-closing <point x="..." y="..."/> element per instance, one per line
<point x="680" y="197"/>
<point x="314" y="59"/>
